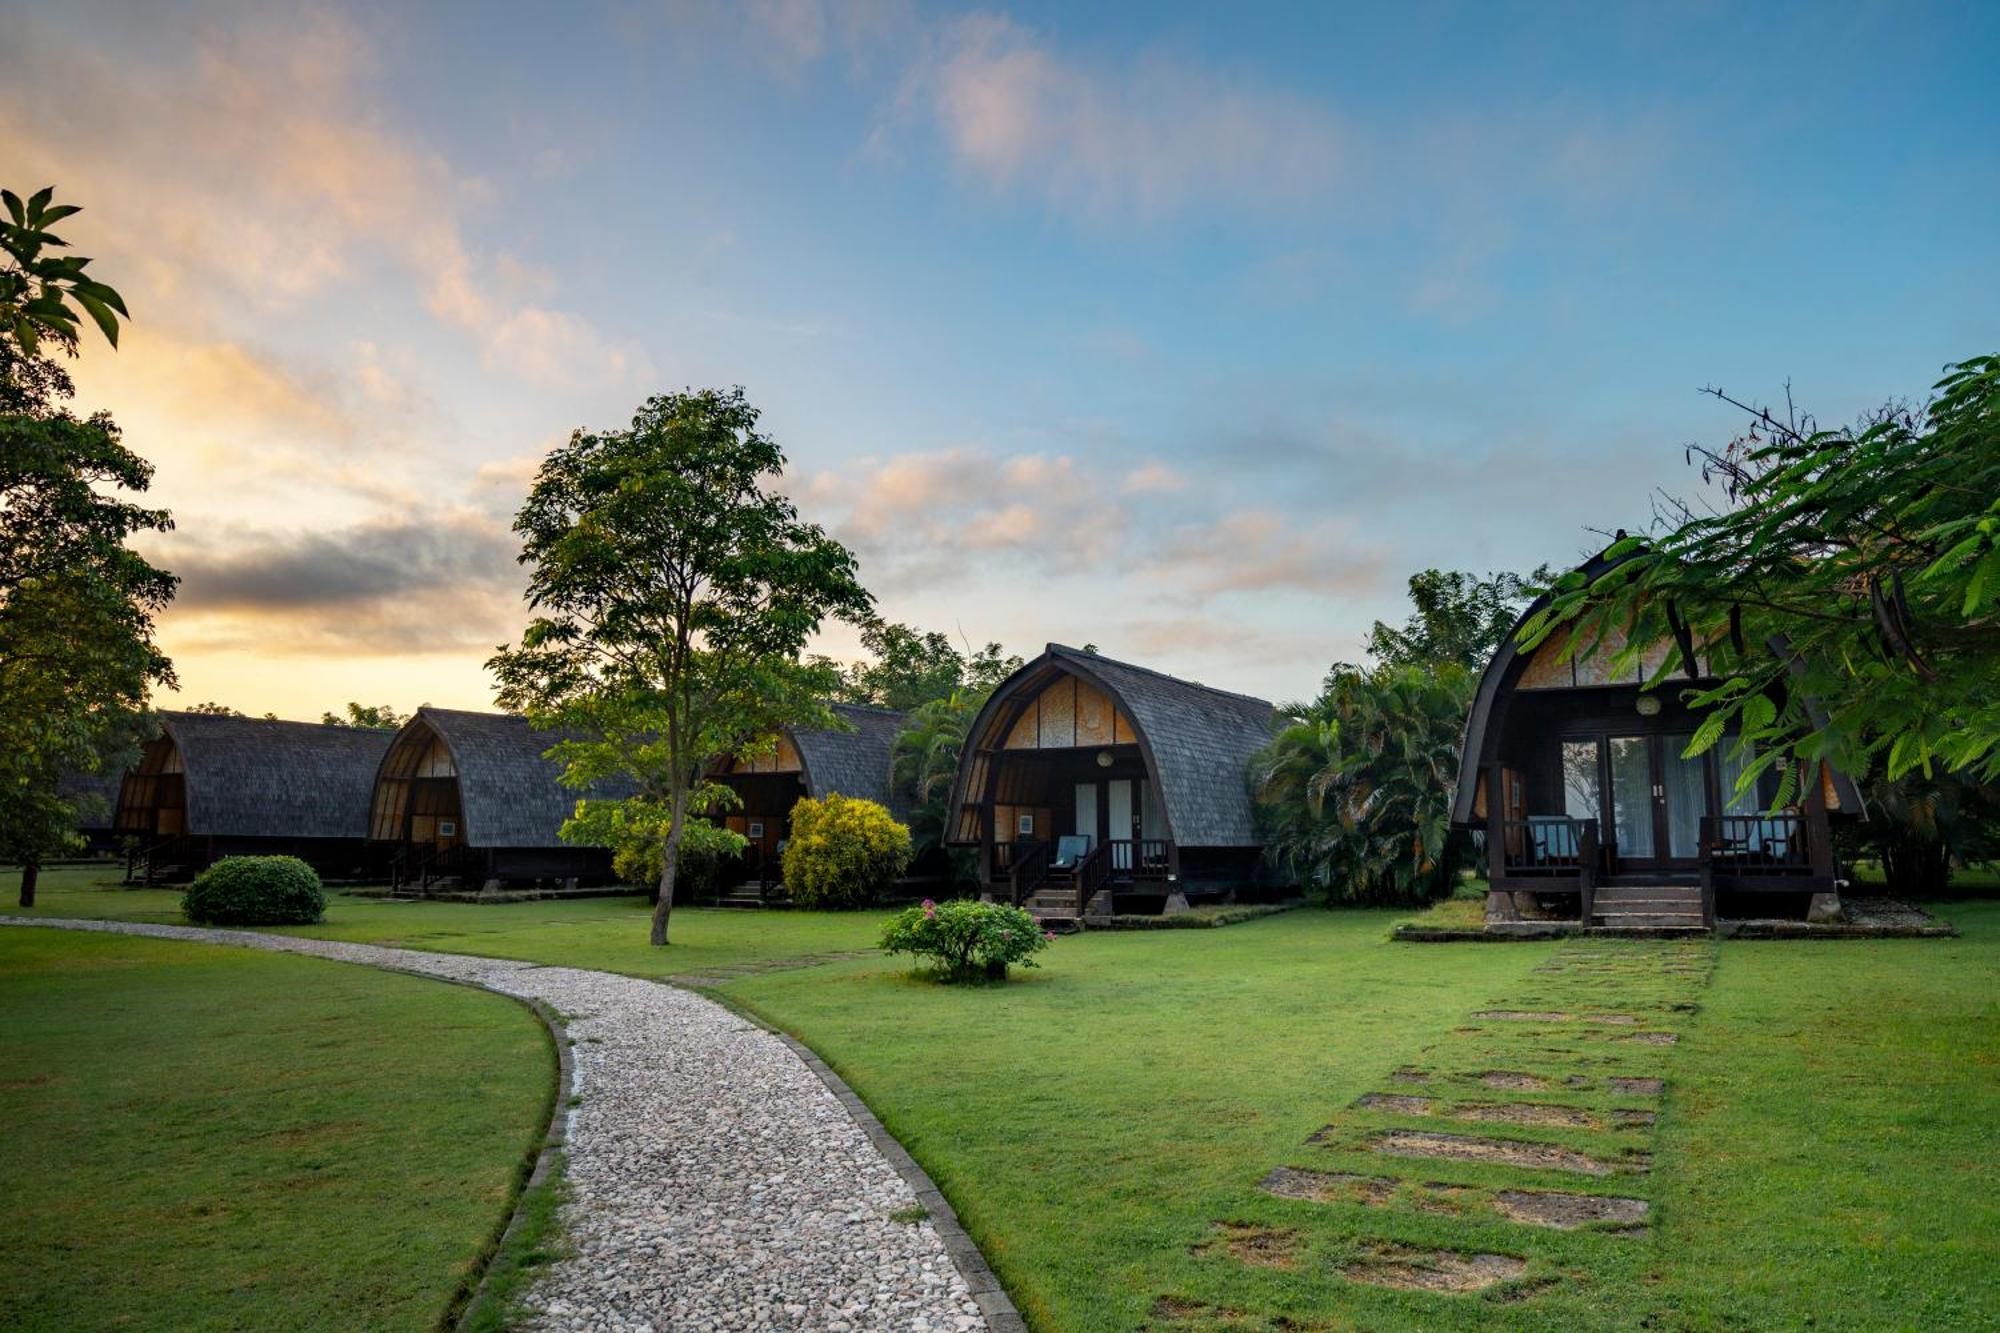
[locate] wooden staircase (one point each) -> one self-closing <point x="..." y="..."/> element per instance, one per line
<point x="1650" y="909"/>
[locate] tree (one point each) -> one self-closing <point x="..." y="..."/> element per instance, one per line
<point x="375" y="717"/>
<point x="1845" y="591"/>
<point x="908" y="668"/>
<point x="674" y="594"/>
<point x="77" y="656"/>
<point x="1355" y="794"/>
<point x="1459" y="618"/>
<point x="924" y="765"/>
<point x="210" y="708"/>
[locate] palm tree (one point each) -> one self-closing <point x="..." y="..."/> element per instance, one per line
<point x="924" y="765"/>
<point x="1356" y="794"/>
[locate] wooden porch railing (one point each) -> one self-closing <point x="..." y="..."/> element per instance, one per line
<point x="1552" y="846"/>
<point x="1027" y="866"/>
<point x="1092" y="874"/>
<point x="1140" y="858"/>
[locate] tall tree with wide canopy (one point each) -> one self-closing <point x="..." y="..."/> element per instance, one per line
<point x="674" y="593"/>
<point x="77" y="656"/>
<point x="1459" y="618"/>
<point x="1846" y="591"/>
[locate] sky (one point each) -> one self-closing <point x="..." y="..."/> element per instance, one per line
<point x="1190" y="331"/>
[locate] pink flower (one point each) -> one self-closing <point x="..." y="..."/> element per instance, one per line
<point x="1048" y="934"/>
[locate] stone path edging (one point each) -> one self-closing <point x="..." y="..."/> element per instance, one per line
<point x="991" y="1297"/>
<point x="699" y="1135"/>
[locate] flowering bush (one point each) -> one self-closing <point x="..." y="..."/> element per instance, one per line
<point x="843" y="852"/>
<point x="966" y="938"/>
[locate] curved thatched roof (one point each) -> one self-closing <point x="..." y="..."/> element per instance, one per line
<point x="1197" y="740"/>
<point x="853" y="763"/>
<point x="509" y="794"/>
<point x="250" y="777"/>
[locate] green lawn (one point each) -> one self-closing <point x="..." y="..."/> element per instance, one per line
<point x="604" y="933"/>
<point x="1823" y="1155"/>
<point x="215" y="1138"/>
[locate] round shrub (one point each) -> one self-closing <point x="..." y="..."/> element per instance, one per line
<point x="966" y="940"/>
<point x="843" y="852"/>
<point x="255" y="891"/>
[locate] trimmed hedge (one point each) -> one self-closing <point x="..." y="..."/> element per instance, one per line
<point x="255" y="891"/>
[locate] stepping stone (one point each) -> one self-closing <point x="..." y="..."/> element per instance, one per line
<point x="1524" y="1016"/>
<point x="1507" y="1152"/>
<point x="1410" y="1269"/>
<point x="1633" y="1119"/>
<point x="1512" y="1081"/>
<point x="1395" y="1103"/>
<point x="1259" y="1247"/>
<point x="1653" y="1038"/>
<point x="1639" y="1087"/>
<point x="1527" y="1113"/>
<point x="1289" y="1182"/>
<point x="1567" y="1212"/>
<point x="1620" y="1019"/>
<point x="1409" y="1075"/>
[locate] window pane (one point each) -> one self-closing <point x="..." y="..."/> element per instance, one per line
<point x="1730" y="766"/>
<point x="1582" y="798"/>
<point x="1632" y="795"/>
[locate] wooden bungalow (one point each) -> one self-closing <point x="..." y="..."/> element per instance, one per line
<point x="1575" y="775"/>
<point x="211" y="786"/>
<point x="469" y="799"/>
<point x="1089" y="785"/>
<point x="810" y="762"/>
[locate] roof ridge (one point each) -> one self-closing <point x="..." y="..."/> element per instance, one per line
<point x="1064" y="650"/>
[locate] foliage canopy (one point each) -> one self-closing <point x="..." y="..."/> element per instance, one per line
<point x="674" y="593"/>
<point x="1846" y="597"/>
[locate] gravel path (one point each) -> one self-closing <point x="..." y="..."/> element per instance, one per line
<point x="715" y="1182"/>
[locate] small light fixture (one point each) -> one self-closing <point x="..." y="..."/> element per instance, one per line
<point x="1104" y="758"/>
<point x="1648" y="705"/>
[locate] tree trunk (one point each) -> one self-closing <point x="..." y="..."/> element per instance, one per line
<point x="670" y="857"/>
<point x="31" y="870"/>
<point x="1916" y="870"/>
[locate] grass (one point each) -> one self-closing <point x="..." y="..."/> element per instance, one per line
<point x="203" y="1137"/>
<point x="1820" y="1156"/>
<point x="604" y="933"/>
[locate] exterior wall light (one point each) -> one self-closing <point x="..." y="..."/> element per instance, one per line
<point x="1648" y="705"/>
<point x="1104" y="758"/>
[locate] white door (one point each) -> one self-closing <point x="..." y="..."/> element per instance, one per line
<point x="1118" y="805"/>
<point x="1086" y="811"/>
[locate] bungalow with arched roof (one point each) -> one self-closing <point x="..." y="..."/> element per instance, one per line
<point x="810" y="761"/>
<point x="212" y="785"/>
<point x="473" y="798"/>
<point x="1087" y="782"/>
<point x="1592" y="812"/>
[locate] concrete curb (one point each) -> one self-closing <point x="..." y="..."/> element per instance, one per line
<point x="554" y="1135"/>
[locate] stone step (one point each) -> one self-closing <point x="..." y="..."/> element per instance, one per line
<point x="1649" y="917"/>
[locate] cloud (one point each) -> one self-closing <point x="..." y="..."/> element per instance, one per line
<point x="423" y="582"/>
<point x="1136" y="141"/>
<point x="268" y="180"/>
<point x="1154" y="478"/>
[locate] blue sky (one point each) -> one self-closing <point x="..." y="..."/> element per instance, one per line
<point x="1180" y="329"/>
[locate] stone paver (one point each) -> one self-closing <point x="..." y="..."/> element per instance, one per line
<point x="715" y="1182"/>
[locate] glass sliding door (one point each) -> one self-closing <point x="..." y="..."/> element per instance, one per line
<point x="1684" y="797"/>
<point x="1632" y="797"/>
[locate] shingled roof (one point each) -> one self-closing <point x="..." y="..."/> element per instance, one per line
<point x="853" y="763"/>
<point x="509" y="795"/>
<point x="251" y="777"/>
